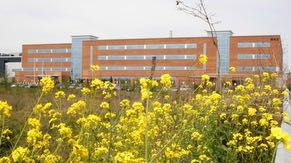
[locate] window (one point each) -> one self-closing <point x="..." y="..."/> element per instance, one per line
<point x="115" y="57"/>
<point x="240" y="68"/>
<point x="147" y="57"/>
<point x="174" y="57"/>
<point x="158" y="57"/>
<point x="257" y="68"/>
<point x="253" y="56"/>
<point x="48" y="59"/>
<point x="116" y="47"/>
<point x="148" y="46"/>
<point x="101" y="47"/>
<point x="31" y="51"/>
<point x="245" y="56"/>
<point x="147" y="68"/>
<point x="262" y="44"/>
<point x="59" y="51"/>
<point x="175" y="46"/>
<point x="135" y="46"/>
<point x="102" y="57"/>
<point x="155" y="46"/>
<point x="262" y="56"/>
<point x="44" y="51"/>
<point x="253" y="44"/>
<point x="192" y="57"/>
<point x="191" y="46"/>
<point x="135" y="57"/>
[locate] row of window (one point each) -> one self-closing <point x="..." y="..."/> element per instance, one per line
<point x="48" y="59"/>
<point x="147" y="46"/>
<point x="253" y="44"/>
<point x="146" y="57"/>
<point x="253" y="56"/>
<point x="43" y="69"/>
<point x="257" y="68"/>
<point x="147" y="68"/>
<point x="46" y="51"/>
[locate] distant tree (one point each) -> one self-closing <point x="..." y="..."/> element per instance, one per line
<point x="200" y="11"/>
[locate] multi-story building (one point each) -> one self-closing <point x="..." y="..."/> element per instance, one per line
<point x="9" y="62"/>
<point x="126" y="59"/>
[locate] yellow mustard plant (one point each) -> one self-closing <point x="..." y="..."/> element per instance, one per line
<point x="5" y="109"/>
<point x="47" y="84"/>
<point x="60" y="94"/>
<point x="203" y="58"/>
<point x="166" y="81"/>
<point x="232" y="69"/>
<point x="94" y="68"/>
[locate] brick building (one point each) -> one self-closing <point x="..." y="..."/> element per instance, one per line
<point x="127" y="59"/>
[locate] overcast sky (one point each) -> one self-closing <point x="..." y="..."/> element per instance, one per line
<point x="54" y="21"/>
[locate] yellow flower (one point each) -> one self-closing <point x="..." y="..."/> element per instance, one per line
<point x="266" y="75"/>
<point x="166" y="81"/>
<point x="5" y="160"/>
<point x="60" y="94"/>
<point x="96" y="84"/>
<point x="285" y="117"/>
<point x="79" y="152"/>
<point x="145" y="94"/>
<point x="47" y="84"/>
<point x="232" y="69"/>
<point x="33" y="123"/>
<point x="5" y="109"/>
<point x="276" y="132"/>
<point x="104" y="105"/>
<point x="89" y="122"/>
<point x="196" y="136"/>
<point x="204" y="157"/>
<point x="203" y="58"/>
<point x="222" y="116"/>
<point x="71" y="97"/>
<point x="263" y="122"/>
<point x="99" y="152"/>
<point x="19" y="154"/>
<point x="85" y="91"/>
<point x="34" y="137"/>
<point x="248" y="80"/>
<point x="276" y="102"/>
<point x="124" y="103"/>
<point x="94" y="68"/>
<point x="76" y="107"/>
<point x="205" y="78"/>
<point x="285" y="94"/>
<point x="64" y="131"/>
<point x="252" y="111"/>
<point x="268" y="88"/>
<point x="274" y="75"/>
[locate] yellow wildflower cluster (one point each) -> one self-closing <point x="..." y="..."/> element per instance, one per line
<point x="94" y="68"/>
<point x="76" y="107"/>
<point x="5" y="109"/>
<point x="60" y="94"/>
<point x="203" y="58"/>
<point x="242" y="124"/>
<point x="146" y="86"/>
<point x="47" y="84"/>
<point x="232" y="69"/>
<point x="166" y="81"/>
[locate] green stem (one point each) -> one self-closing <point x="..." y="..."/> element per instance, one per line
<point x="2" y="130"/>
<point x="146" y="130"/>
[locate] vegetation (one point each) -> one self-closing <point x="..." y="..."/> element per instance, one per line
<point x="154" y="125"/>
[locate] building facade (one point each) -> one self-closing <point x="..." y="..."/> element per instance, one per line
<point x="8" y="63"/>
<point x="127" y="59"/>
